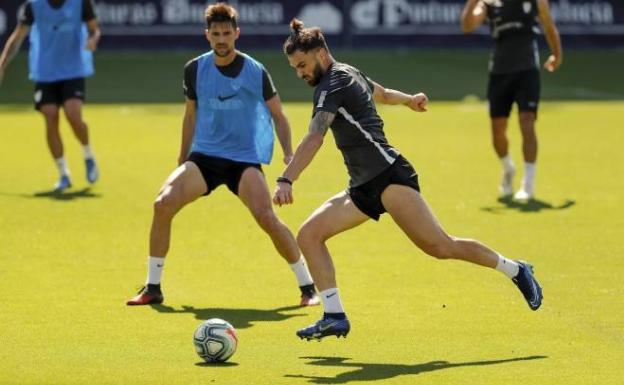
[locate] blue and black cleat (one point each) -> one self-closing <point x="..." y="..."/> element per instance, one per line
<point x="324" y="327"/>
<point x="528" y="285"/>
<point x="92" y="170"/>
<point x="63" y="183"/>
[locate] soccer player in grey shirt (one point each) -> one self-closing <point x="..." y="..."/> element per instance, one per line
<point x="514" y="75"/>
<point x="380" y="178"/>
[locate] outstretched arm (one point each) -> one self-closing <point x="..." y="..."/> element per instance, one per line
<point x="12" y="46"/>
<point x="303" y="156"/>
<point x="282" y="127"/>
<point x="417" y="102"/>
<point x="472" y="16"/>
<point x="552" y="36"/>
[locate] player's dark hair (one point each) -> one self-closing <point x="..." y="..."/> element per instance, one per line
<point x="303" y="39"/>
<point x="221" y="13"/>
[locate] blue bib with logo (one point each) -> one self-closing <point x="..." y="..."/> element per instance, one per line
<point x="232" y="119"/>
<point x="58" y="40"/>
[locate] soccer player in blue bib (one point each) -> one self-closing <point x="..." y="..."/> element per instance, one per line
<point x="63" y="35"/>
<point x="227" y="133"/>
<point x="381" y="179"/>
<point x="514" y="76"/>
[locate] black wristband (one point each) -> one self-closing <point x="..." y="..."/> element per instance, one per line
<point x="283" y="179"/>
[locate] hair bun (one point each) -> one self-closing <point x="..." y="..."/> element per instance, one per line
<point x="296" y="25"/>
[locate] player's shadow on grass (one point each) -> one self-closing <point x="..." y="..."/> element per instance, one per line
<point x="57" y="195"/>
<point x="239" y="318"/>
<point x="530" y="206"/>
<point x="374" y="372"/>
<point x="66" y="195"/>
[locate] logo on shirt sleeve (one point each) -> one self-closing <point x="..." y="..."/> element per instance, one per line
<point x="321" y="99"/>
<point x="526" y="6"/>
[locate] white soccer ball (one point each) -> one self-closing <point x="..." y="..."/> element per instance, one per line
<point x="215" y="340"/>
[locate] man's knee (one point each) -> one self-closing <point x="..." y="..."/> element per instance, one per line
<point x="310" y="234"/>
<point x="74" y="118"/>
<point x="50" y="113"/>
<point x="166" y="204"/>
<point x="527" y="121"/>
<point x="441" y="250"/>
<point x="267" y="219"/>
<point x="499" y="125"/>
<point x="498" y="135"/>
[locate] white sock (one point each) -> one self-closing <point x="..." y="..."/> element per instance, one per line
<point x="86" y="151"/>
<point x="507" y="163"/>
<point x="301" y="271"/>
<point x="155" y="267"/>
<point x="529" y="175"/>
<point x="61" y="164"/>
<point x="507" y="266"/>
<point x="331" y="301"/>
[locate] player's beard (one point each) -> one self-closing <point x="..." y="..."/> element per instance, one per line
<point x="317" y="74"/>
<point x="222" y="51"/>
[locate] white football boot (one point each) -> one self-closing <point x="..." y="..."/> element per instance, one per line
<point x="506" y="186"/>
<point x="525" y="193"/>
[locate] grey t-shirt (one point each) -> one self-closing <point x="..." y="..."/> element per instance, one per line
<point x="514" y="26"/>
<point x="357" y="128"/>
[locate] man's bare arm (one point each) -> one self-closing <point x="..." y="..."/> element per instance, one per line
<point x="551" y="33"/>
<point x="382" y="95"/>
<point x="306" y="151"/>
<point x="282" y="126"/>
<point x="472" y="16"/>
<point x="94" y="34"/>
<point x="188" y="130"/>
<point x="310" y="144"/>
<point x="12" y="46"/>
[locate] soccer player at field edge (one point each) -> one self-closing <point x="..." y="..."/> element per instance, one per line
<point x="63" y="35"/>
<point x="514" y="75"/>
<point x="227" y="132"/>
<point x="380" y="178"/>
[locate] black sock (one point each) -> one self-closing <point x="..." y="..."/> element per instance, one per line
<point x="153" y="288"/>
<point x="307" y="289"/>
<point x="338" y="316"/>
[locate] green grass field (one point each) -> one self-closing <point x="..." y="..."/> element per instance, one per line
<point x="69" y="262"/>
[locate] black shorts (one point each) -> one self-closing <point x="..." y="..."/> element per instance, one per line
<point x="367" y="197"/>
<point x="59" y="92"/>
<point x="218" y="171"/>
<point x="521" y="87"/>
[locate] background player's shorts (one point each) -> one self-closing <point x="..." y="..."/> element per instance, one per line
<point x="521" y="87"/>
<point x="59" y="92"/>
<point x="218" y="171"/>
<point x="367" y="197"/>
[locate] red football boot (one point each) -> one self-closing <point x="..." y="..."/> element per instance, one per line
<point x="147" y="295"/>
<point x="309" y="296"/>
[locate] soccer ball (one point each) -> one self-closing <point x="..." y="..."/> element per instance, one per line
<point x="215" y="340"/>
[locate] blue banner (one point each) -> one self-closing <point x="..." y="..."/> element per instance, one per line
<point x="355" y="24"/>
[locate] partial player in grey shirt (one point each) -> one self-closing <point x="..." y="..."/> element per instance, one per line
<point x="514" y="75"/>
<point x="381" y="179"/>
